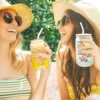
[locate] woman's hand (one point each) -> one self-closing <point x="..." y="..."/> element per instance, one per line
<point x="61" y="59"/>
<point x="39" y="92"/>
<point x="62" y="53"/>
<point x="47" y="53"/>
<point x="91" y="49"/>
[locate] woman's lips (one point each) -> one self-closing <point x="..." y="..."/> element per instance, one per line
<point x="63" y="34"/>
<point x="11" y="31"/>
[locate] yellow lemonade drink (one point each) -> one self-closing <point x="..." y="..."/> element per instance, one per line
<point x="38" y="62"/>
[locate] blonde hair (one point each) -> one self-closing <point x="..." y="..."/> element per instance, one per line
<point x="17" y="59"/>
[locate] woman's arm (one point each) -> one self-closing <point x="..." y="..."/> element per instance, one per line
<point x="38" y="91"/>
<point x="31" y="74"/>
<point x="37" y="87"/>
<point x="62" y="84"/>
<point x="62" y="55"/>
<point x="29" y="71"/>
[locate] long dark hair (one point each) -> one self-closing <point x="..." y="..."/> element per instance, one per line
<point x="78" y="76"/>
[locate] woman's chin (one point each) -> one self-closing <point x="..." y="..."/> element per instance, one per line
<point x="65" y="41"/>
<point x="12" y="40"/>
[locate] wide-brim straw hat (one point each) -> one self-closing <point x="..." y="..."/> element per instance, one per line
<point x="22" y="10"/>
<point x="83" y="7"/>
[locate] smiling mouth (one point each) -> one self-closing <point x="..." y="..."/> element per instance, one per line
<point x="63" y="34"/>
<point x="12" y="31"/>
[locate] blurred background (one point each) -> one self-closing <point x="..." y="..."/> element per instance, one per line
<point x="43" y="18"/>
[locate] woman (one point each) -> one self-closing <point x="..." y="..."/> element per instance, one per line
<point x="75" y="82"/>
<point x="18" y="80"/>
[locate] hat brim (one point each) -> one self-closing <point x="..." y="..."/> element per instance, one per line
<point x="24" y="12"/>
<point x="60" y="6"/>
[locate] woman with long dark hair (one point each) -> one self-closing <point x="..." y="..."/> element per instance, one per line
<point x="75" y="82"/>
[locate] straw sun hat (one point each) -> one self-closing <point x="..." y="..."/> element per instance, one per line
<point x="86" y="8"/>
<point x="22" y="10"/>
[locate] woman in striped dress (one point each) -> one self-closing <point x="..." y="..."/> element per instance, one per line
<point x="76" y="82"/>
<point x="18" y="80"/>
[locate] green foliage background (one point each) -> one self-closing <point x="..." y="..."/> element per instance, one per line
<point x="43" y="18"/>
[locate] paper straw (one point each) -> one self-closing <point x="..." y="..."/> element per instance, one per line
<point x="39" y="33"/>
<point x="82" y="27"/>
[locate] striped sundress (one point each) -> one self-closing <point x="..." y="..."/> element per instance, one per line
<point x="15" y="89"/>
<point x="95" y="89"/>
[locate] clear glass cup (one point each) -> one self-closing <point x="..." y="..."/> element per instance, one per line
<point x="83" y="60"/>
<point x="38" y="62"/>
